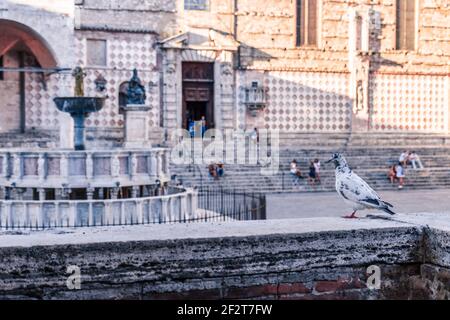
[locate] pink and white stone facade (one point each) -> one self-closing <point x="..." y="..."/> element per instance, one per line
<point x="353" y="80"/>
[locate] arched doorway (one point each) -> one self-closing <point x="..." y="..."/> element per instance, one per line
<point x="21" y="48"/>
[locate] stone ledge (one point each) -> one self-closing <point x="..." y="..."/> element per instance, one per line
<point x="315" y="258"/>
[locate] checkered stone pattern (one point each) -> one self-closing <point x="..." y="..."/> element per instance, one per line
<point x="409" y="103"/>
<point x="308" y="102"/>
<point x="124" y="53"/>
<point x="40" y="110"/>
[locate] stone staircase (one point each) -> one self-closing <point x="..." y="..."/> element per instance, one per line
<point x="369" y="156"/>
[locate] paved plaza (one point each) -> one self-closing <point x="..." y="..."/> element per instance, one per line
<point x="329" y="204"/>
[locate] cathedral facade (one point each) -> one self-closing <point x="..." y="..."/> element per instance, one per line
<point x="297" y="66"/>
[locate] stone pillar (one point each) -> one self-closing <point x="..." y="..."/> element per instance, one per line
<point x="136" y="126"/>
<point x="66" y="131"/>
<point x="133" y="166"/>
<point x="5" y="165"/>
<point x="64" y="166"/>
<point x="171" y="91"/>
<point x="134" y="191"/>
<point x="89" y="165"/>
<point x="101" y="193"/>
<point x="159" y="164"/>
<point x="183" y="207"/>
<point x="165" y="155"/>
<point x="65" y="193"/>
<point x="41" y="192"/>
<point x="115" y="166"/>
<point x="17" y="166"/>
<point x="90" y="193"/>
<point x="164" y="214"/>
<point x="154" y="163"/>
<point x="359" y="65"/>
<point x="42" y="166"/>
<point x="115" y="192"/>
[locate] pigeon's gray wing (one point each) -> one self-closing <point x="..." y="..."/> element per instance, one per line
<point x="355" y="189"/>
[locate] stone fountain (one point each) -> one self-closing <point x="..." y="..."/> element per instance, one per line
<point x="62" y="187"/>
<point x="79" y="107"/>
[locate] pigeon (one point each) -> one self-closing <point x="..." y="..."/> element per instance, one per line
<point x="354" y="190"/>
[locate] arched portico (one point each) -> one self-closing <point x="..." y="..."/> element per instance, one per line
<point x="20" y="47"/>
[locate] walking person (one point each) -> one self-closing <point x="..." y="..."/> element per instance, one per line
<point x="295" y="172"/>
<point x="312" y="174"/>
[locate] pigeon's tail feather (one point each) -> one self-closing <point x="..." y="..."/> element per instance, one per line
<point x="388" y="204"/>
<point x="386" y="209"/>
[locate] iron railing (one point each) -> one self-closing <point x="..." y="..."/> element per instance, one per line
<point x="210" y="204"/>
<point x="220" y="204"/>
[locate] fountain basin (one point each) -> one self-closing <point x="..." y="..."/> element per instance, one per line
<point x="79" y="108"/>
<point x="79" y="105"/>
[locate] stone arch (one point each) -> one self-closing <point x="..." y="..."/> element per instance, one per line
<point x="15" y="34"/>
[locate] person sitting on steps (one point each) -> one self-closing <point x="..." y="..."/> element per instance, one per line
<point x="392" y="175"/>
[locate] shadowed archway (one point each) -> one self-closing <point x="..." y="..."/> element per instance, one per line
<point x="16" y="35"/>
<point x="22" y="50"/>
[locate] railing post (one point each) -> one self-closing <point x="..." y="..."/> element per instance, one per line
<point x="139" y="212"/>
<point x="90" y="214"/>
<point x="164" y="210"/>
<point x="10" y="213"/>
<point x="122" y="214"/>
<point x="108" y="213"/>
<point x="184" y="214"/>
<point x="73" y="214"/>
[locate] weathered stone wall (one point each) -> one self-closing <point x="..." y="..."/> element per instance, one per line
<point x="321" y="258"/>
<point x="9" y="102"/>
<point x="403" y="90"/>
<point x="147" y="15"/>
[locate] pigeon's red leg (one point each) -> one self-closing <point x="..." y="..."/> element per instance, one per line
<point x="352" y="216"/>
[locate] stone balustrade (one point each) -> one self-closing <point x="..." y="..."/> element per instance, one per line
<point x="173" y="207"/>
<point x="102" y="168"/>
